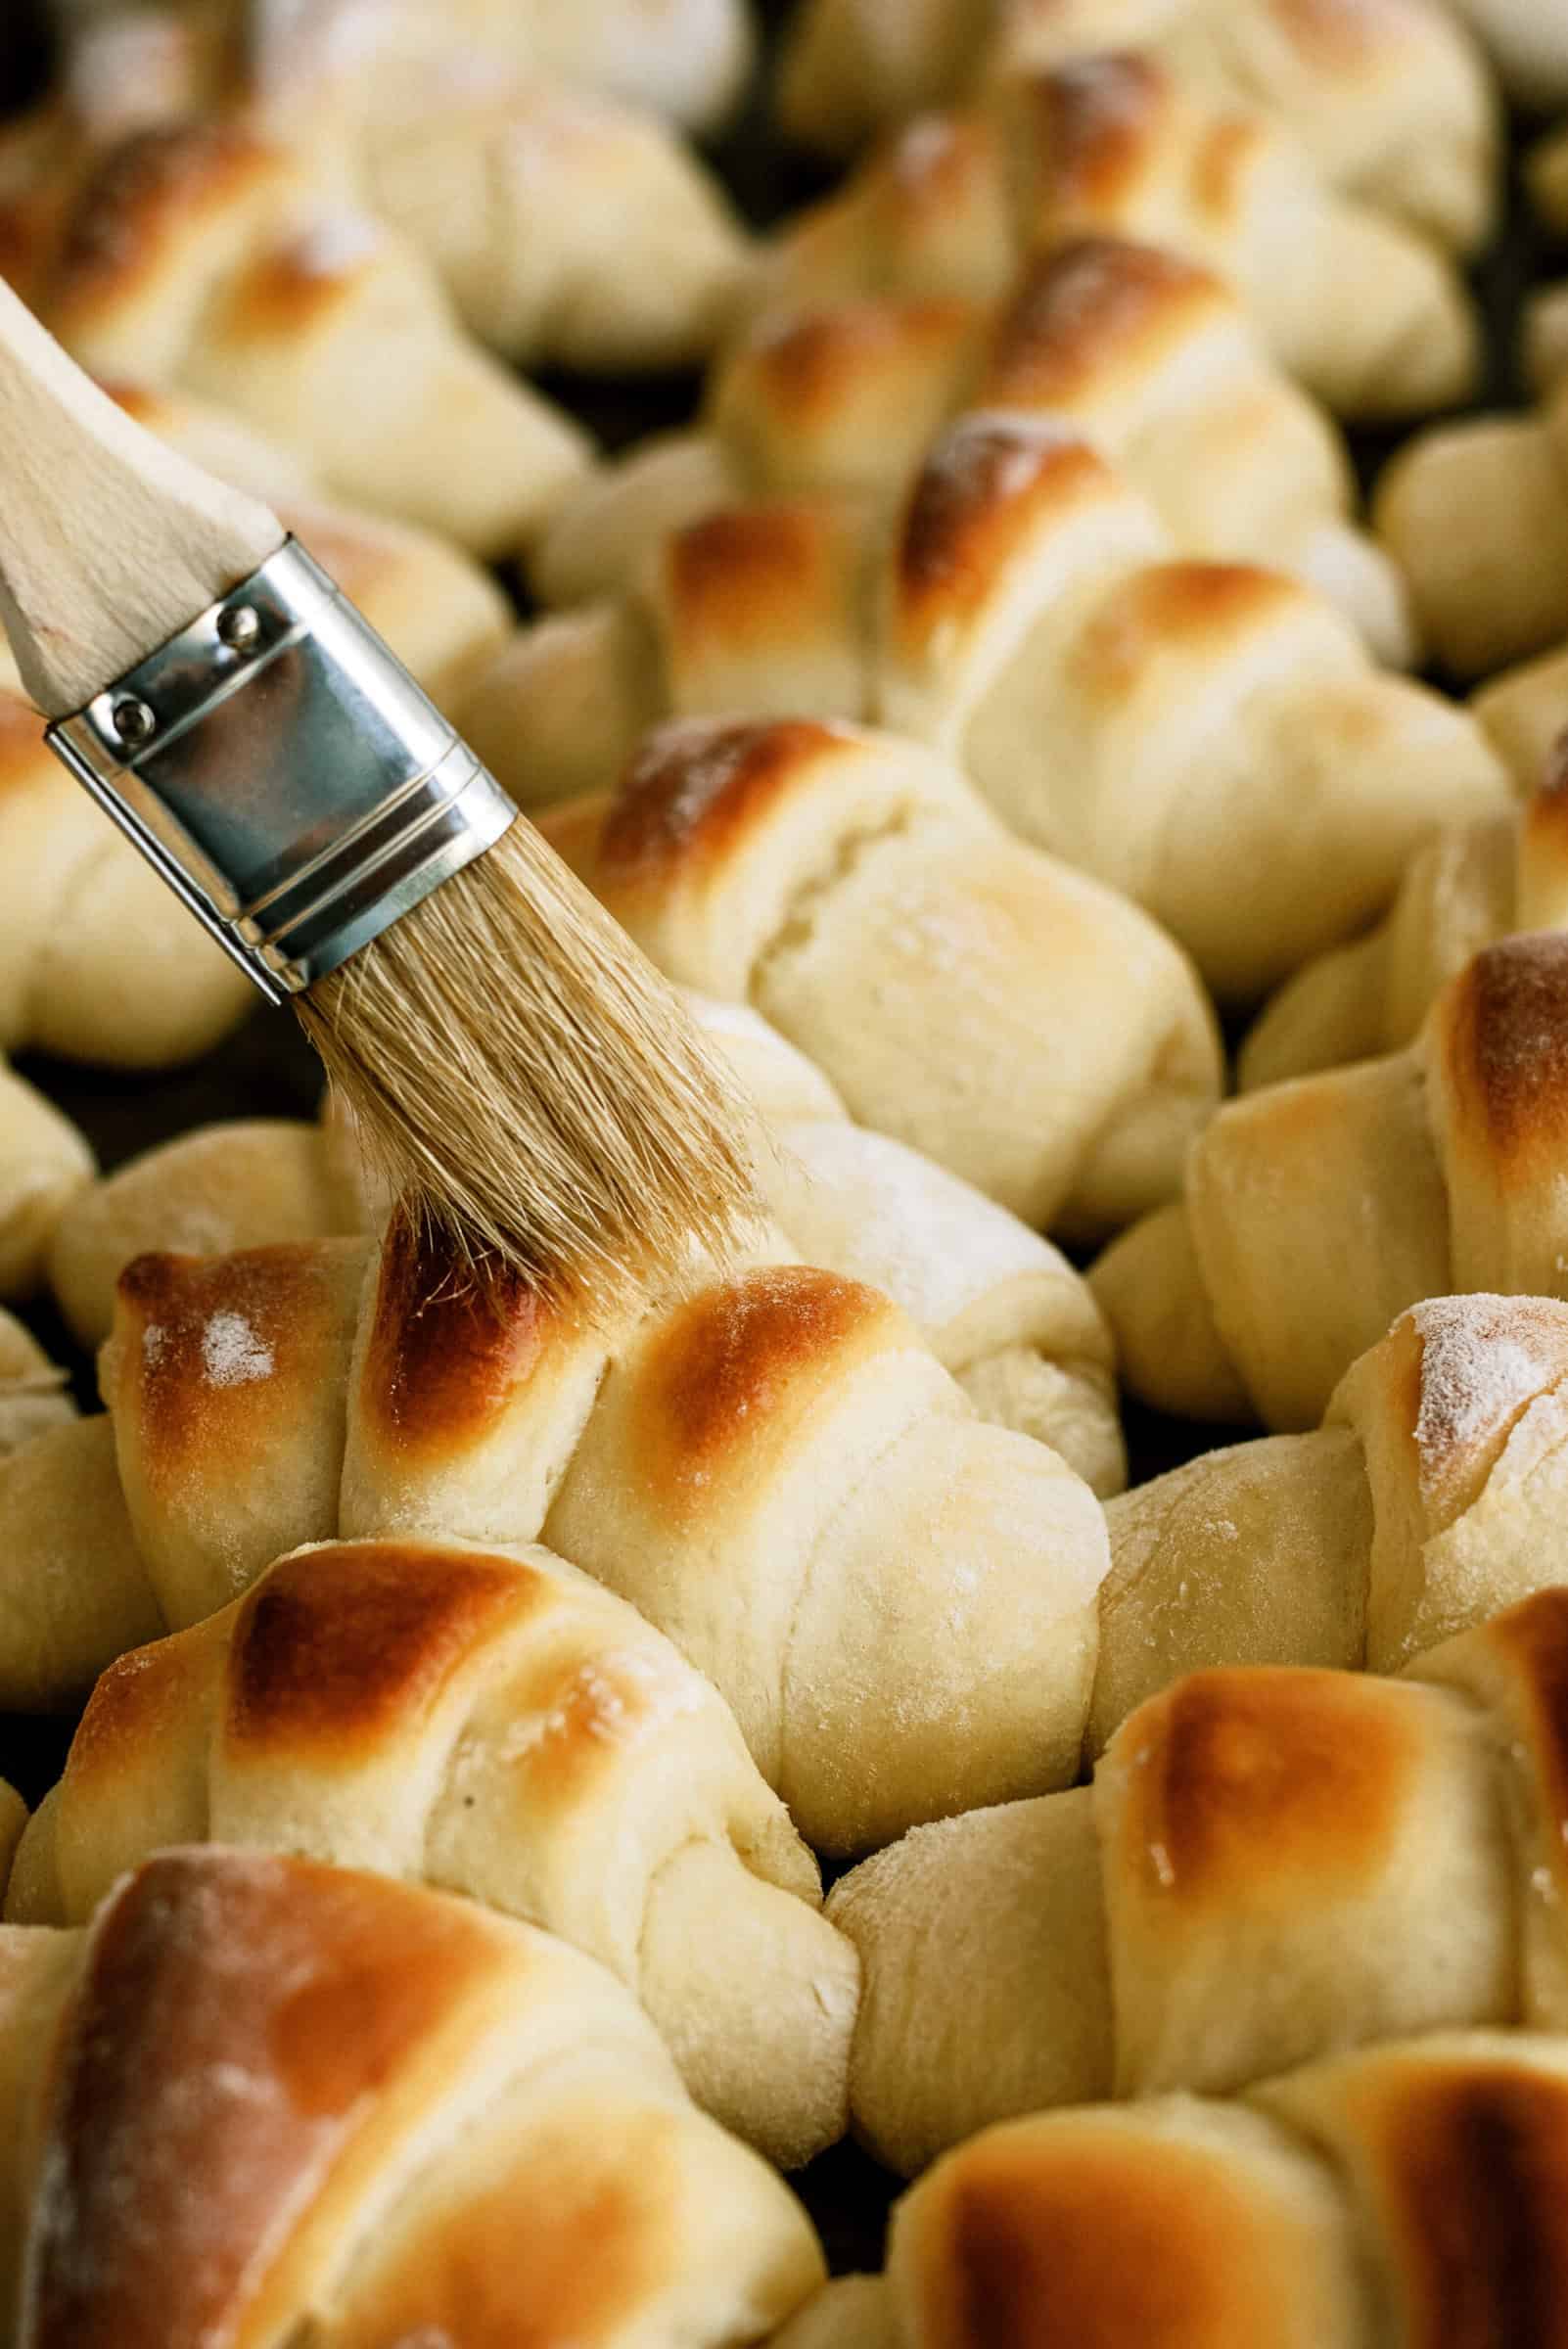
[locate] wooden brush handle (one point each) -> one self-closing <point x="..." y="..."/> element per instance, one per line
<point x="109" y="542"/>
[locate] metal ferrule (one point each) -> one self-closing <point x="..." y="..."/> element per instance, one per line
<point x="285" y="775"/>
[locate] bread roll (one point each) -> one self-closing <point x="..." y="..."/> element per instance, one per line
<point x="97" y="961"/>
<point x="1020" y="1023"/>
<point x="1411" y="2193"/>
<point x="1464" y="890"/>
<point x="258" y="2098"/>
<point x="1475" y="515"/>
<point x="897" y="1600"/>
<point x="1272" y="1865"/>
<point x="1317" y="1210"/>
<point x="1389" y="99"/>
<point x="1172" y="726"/>
<point x="489" y="1723"/>
<point x="1151" y="357"/>
<point x="1365" y="310"/>
<point x="206" y="257"/>
<point x="1000" y="1307"/>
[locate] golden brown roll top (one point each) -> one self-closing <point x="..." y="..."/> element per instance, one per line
<point x="1160" y="721"/>
<point x="1119" y="141"/>
<point x="774" y="1469"/>
<point x="458" y="127"/>
<point x="1328" y="1205"/>
<point x="1000" y="1307"/>
<point x="1149" y="355"/>
<point x="226" y="1382"/>
<point x="399" y="2109"/>
<point x="845" y="395"/>
<point x="1496" y="1063"/>
<point x="1390" y="99"/>
<point x="1424" y="1505"/>
<point x="1467" y="2128"/>
<point x="160" y="221"/>
<point x="1176" y="2223"/>
<point x="931" y="212"/>
<point x="1364" y="309"/>
<point x="1515" y="1667"/>
<point x="1159" y="365"/>
<point x="494" y="1723"/>
<point x="1273" y="1864"/>
<point x="1411" y="2193"/>
<point x="463" y="1408"/>
<point x="1293" y="1861"/>
<point x="761" y="609"/>
<point x="202" y="255"/>
<point x="795" y="865"/>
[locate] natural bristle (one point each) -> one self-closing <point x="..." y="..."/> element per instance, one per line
<point x="531" y="1087"/>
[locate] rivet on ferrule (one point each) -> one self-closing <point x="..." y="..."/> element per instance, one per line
<point x="239" y="628"/>
<point x="285" y="775"/>
<point x="135" y="722"/>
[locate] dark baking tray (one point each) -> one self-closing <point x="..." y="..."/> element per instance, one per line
<point x="266" y="1071"/>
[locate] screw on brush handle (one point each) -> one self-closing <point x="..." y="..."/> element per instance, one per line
<point x="109" y="543"/>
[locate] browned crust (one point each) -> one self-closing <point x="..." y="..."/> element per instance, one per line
<point x="564" y="2239"/>
<point x="140" y="1698"/>
<point x="237" y="2019"/>
<point x="1168" y="602"/>
<point x="736" y="578"/>
<point x="1534" y="1638"/>
<point x="445" y="1355"/>
<point x="1474" y="2169"/>
<point x="733" y="1359"/>
<point x="1095" y="119"/>
<point x="292" y="288"/>
<point x="1220" y="167"/>
<point x="933" y="163"/>
<point x="805" y="369"/>
<point x="585" y="1712"/>
<point x="1302" y="1773"/>
<point x="267" y="1306"/>
<point x="975" y="499"/>
<point x="1507" y="1046"/>
<point x="1545" y="812"/>
<point x="142" y="190"/>
<point x="1079" y="2241"/>
<point x="697" y="786"/>
<point x="1084" y="309"/>
<point x="338" y="1645"/>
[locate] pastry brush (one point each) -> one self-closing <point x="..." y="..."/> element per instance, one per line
<point x="520" y="1075"/>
